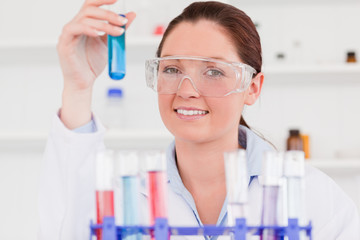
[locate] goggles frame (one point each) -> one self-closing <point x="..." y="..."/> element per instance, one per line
<point x="247" y="75"/>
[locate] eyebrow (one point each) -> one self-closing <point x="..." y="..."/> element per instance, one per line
<point x="217" y="58"/>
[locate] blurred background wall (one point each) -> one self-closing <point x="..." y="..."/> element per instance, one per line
<point x="308" y="85"/>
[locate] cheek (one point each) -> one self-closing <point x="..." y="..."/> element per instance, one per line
<point x="229" y="109"/>
<point x="165" y="105"/>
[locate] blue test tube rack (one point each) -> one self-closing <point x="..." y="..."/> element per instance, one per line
<point x="162" y="230"/>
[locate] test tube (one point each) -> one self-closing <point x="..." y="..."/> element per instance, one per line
<point x="237" y="181"/>
<point x="271" y="179"/>
<point x="157" y="185"/>
<point x="116" y="47"/>
<point x="104" y="187"/>
<point x="294" y="171"/>
<point x="128" y="174"/>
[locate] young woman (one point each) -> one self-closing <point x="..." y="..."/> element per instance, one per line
<point x="208" y="68"/>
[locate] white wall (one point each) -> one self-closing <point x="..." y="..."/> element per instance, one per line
<point x="321" y="101"/>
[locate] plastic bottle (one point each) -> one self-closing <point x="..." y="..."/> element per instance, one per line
<point x="306" y="145"/>
<point x="114" y="112"/>
<point x="294" y="141"/>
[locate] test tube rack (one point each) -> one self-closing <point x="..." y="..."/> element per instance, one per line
<point x="161" y="230"/>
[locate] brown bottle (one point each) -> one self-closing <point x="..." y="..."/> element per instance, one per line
<point x="351" y="57"/>
<point x="294" y="141"/>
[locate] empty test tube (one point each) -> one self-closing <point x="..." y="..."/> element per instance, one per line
<point x="294" y="171"/>
<point x="237" y="181"/>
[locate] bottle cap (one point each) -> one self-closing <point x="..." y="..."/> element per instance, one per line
<point x="115" y="92"/>
<point x="294" y="132"/>
<point x="237" y="179"/>
<point x="351" y="54"/>
<point x="127" y="163"/>
<point x="104" y="170"/>
<point x="294" y="164"/>
<point x="272" y="168"/>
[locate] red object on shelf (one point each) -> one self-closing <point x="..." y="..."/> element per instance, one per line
<point x="159" y="30"/>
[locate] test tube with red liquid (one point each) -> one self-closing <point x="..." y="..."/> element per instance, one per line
<point x="157" y="185"/>
<point x="104" y="188"/>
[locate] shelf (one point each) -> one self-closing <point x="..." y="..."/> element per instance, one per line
<point x="120" y="134"/>
<point x="336" y="167"/>
<point x="47" y="47"/>
<point x="350" y="68"/>
<point x="127" y="139"/>
<point x="51" y="43"/>
<point x="335" y="163"/>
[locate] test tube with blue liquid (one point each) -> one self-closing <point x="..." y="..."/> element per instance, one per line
<point x="129" y="181"/>
<point x="294" y="172"/>
<point x="271" y="179"/>
<point x="116" y="47"/>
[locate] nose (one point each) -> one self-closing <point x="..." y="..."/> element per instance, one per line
<point x="187" y="88"/>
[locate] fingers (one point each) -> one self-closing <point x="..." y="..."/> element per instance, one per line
<point x="98" y="3"/>
<point x="130" y="17"/>
<point x="101" y="26"/>
<point x="71" y="30"/>
<point x="104" y="15"/>
<point x="93" y="20"/>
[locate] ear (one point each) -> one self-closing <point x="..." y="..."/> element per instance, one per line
<point x="254" y="89"/>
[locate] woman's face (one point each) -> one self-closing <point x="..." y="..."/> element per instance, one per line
<point x="222" y="114"/>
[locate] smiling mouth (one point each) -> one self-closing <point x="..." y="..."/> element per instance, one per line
<point x="191" y="112"/>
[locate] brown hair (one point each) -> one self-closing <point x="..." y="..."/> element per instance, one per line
<point x="236" y="23"/>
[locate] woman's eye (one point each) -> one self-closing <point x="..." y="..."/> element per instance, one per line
<point x="171" y="70"/>
<point x="214" y="73"/>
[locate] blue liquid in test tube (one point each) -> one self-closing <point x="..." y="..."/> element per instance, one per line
<point x="117" y="56"/>
<point x="131" y="204"/>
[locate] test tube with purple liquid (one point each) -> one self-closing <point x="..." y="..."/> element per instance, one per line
<point x="271" y="179"/>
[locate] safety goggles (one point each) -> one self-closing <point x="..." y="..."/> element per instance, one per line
<point x="209" y="77"/>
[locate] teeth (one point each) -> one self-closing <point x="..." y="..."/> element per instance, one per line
<point x="190" y="112"/>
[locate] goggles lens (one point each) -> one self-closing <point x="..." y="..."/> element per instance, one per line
<point x="209" y="77"/>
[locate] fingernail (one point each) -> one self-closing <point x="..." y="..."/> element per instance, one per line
<point x="123" y="20"/>
<point x="120" y="30"/>
<point x="100" y="33"/>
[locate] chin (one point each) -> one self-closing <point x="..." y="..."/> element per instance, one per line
<point x="191" y="134"/>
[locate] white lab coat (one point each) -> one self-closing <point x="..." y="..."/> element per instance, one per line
<point x="67" y="199"/>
